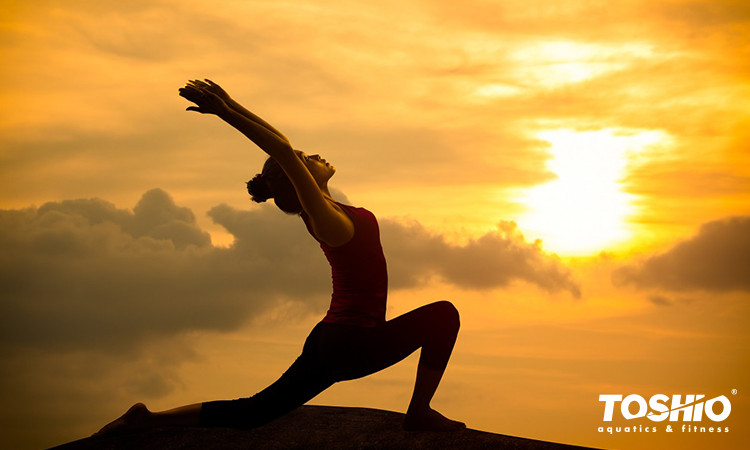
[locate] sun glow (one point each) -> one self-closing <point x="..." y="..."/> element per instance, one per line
<point x="556" y="63"/>
<point x="584" y="210"/>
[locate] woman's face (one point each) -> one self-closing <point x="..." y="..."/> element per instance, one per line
<point x="318" y="167"/>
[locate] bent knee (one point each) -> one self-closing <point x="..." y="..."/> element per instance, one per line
<point x="447" y="314"/>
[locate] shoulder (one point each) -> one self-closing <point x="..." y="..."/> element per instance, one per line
<point x="334" y="228"/>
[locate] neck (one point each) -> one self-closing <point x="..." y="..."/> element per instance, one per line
<point x="324" y="189"/>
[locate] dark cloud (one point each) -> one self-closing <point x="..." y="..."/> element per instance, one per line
<point x="83" y="274"/>
<point x="716" y="259"/>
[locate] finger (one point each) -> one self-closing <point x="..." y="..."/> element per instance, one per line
<point x="214" y="87"/>
<point x="192" y="91"/>
<point x="188" y="93"/>
<point x="190" y="97"/>
<point x="194" y="108"/>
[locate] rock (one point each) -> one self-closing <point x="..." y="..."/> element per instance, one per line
<point x="312" y="427"/>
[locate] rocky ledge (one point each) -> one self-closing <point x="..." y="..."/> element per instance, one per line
<point x="313" y="427"/>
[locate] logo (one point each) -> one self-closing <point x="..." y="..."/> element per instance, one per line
<point x="692" y="409"/>
<point x="689" y="408"/>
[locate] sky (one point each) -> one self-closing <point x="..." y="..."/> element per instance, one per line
<point x="573" y="175"/>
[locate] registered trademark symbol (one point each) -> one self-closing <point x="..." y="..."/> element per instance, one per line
<point x="734" y="391"/>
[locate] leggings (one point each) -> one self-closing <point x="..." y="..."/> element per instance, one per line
<point x="337" y="352"/>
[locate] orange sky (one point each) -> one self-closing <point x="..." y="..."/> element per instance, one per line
<point x="573" y="175"/>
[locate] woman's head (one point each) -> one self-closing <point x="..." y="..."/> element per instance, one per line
<point x="273" y="182"/>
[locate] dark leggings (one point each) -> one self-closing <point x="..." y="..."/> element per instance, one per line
<point x="335" y="352"/>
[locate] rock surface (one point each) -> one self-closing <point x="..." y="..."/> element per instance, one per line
<point x="313" y="427"/>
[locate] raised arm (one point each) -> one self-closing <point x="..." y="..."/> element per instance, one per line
<point x="210" y="86"/>
<point x="329" y="222"/>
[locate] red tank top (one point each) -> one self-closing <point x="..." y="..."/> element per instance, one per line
<point x="358" y="272"/>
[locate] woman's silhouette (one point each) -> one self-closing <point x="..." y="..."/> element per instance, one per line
<point x="353" y="339"/>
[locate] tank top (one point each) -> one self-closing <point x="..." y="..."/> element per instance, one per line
<point x="358" y="272"/>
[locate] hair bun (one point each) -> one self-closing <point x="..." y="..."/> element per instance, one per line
<point x="258" y="189"/>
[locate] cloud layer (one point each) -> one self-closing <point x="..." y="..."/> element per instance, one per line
<point x="84" y="274"/>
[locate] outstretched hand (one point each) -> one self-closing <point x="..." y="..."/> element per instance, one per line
<point x="207" y="97"/>
<point x="210" y="86"/>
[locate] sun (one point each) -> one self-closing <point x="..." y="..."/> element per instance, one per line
<point x="584" y="210"/>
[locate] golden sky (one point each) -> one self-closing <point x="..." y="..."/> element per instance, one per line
<point x="574" y="175"/>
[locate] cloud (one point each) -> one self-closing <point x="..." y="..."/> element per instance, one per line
<point x="716" y="259"/>
<point x="83" y="274"/>
<point x="491" y="261"/>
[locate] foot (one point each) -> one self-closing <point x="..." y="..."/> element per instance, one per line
<point x="134" y="418"/>
<point x="430" y="420"/>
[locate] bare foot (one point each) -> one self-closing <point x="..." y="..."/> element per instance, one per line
<point x="134" y="418"/>
<point x="430" y="420"/>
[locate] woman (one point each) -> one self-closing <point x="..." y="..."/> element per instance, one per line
<point x="353" y="339"/>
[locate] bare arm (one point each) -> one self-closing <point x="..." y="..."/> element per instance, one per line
<point x="210" y="86"/>
<point x="330" y="223"/>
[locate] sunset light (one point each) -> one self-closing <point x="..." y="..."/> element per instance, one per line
<point x="572" y="176"/>
<point x="584" y="209"/>
<point x="556" y="63"/>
